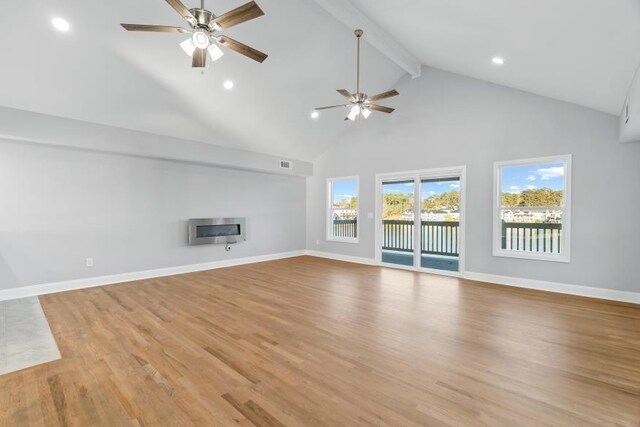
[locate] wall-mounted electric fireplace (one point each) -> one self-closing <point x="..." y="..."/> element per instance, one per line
<point x="214" y="231"/>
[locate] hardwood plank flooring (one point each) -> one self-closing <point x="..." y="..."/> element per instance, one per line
<point x="310" y="342"/>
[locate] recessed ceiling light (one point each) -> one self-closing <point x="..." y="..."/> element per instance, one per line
<point x="315" y="115"/>
<point x="497" y="60"/>
<point x="228" y="85"/>
<point x="60" y="24"/>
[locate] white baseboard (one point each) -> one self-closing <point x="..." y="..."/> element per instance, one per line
<point x="562" y="288"/>
<point x="345" y="258"/>
<point x="91" y="282"/>
<point x="49" y="288"/>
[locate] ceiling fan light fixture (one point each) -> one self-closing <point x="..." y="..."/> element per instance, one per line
<point x="202" y="24"/>
<point x="215" y="52"/>
<point x="188" y="46"/>
<point x="201" y="39"/>
<point x="359" y="103"/>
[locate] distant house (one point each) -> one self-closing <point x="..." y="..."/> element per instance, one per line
<point x="440" y="215"/>
<point x="344" y="214"/>
<point x="532" y="215"/>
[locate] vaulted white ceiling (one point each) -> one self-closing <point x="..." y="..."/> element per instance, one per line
<point x="578" y="51"/>
<point x="100" y="73"/>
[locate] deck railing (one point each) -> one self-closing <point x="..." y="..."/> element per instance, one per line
<point x="531" y="237"/>
<point x="345" y="228"/>
<point x="443" y="237"/>
<point x="438" y="237"/>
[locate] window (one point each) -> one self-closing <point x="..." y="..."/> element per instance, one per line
<point x="342" y="212"/>
<point x="532" y="209"/>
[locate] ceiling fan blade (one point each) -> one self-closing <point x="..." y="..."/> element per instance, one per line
<point x="183" y="11"/>
<point x="239" y="15"/>
<point x="250" y="52"/>
<point x="384" y="95"/>
<point x="332" y="106"/>
<point x="381" y="108"/>
<point x="199" y="58"/>
<point x="153" y="28"/>
<point x="345" y="93"/>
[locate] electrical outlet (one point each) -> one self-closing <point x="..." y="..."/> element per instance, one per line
<point x="317" y="242"/>
<point x="89" y="262"/>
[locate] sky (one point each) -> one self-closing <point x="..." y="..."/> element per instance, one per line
<point x="344" y="189"/>
<point x="435" y="188"/>
<point x="398" y="187"/>
<point x="515" y="179"/>
<point x="429" y="188"/>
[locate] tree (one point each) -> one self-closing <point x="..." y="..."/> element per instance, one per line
<point x="353" y="204"/>
<point x="395" y="204"/>
<point x="510" y="199"/>
<point x="535" y="197"/>
<point x="444" y="201"/>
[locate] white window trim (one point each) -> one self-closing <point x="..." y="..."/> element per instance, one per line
<point x="329" y="205"/>
<point x="565" y="244"/>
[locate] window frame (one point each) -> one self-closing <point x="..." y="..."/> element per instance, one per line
<point x="565" y="244"/>
<point x="329" y="211"/>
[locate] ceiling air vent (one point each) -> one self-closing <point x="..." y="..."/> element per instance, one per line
<point x="286" y="164"/>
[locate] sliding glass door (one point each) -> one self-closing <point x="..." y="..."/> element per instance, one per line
<point x="398" y="200"/>
<point x="440" y="223"/>
<point x="420" y="218"/>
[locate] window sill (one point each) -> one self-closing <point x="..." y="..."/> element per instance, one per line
<point x="533" y="256"/>
<point x="338" y="240"/>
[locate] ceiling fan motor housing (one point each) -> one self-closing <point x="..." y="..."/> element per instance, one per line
<point x="203" y="16"/>
<point x="203" y="25"/>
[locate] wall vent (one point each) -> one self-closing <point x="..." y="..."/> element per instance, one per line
<point x="286" y="164"/>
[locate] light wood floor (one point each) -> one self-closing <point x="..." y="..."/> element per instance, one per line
<point x="307" y="341"/>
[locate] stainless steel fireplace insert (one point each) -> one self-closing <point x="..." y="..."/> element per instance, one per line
<point x="215" y="231"/>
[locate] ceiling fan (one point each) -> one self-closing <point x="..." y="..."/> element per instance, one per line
<point x="360" y="103"/>
<point x="204" y="26"/>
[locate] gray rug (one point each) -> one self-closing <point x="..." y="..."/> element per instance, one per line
<point x="25" y="337"/>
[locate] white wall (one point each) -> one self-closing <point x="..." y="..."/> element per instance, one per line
<point x="34" y="128"/>
<point x="445" y="120"/>
<point x="60" y="206"/>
